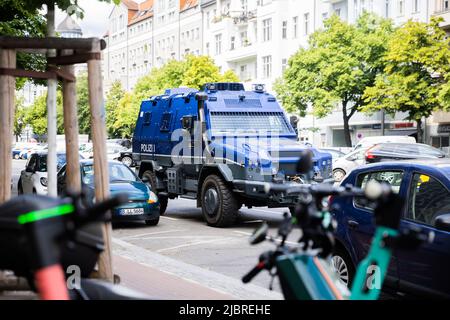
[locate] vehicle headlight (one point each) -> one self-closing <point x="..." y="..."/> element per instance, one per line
<point x="153" y="198"/>
<point x="43" y="181"/>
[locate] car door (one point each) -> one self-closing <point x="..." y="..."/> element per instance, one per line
<point x="426" y="270"/>
<point x="360" y="221"/>
<point x="61" y="180"/>
<point x="27" y="174"/>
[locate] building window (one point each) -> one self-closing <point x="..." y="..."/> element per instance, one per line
<point x="416" y="4"/>
<point x="207" y="48"/>
<point x="284" y="29"/>
<point x="267" y="30"/>
<point x="218" y="43"/>
<point x="440" y="141"/>
<point x="244" y="39"/>
<point x="306" y="16"/>
<point x="295" y="27"/>
<point x="232" y="43"/>
<point x="267" y="66"/>
<point x="337" y="12"/>
<point x="446" y="5"/>
<point x="386" y="9"/>
<point x="284" y="65"/>
<point x="243" y="73"/>
<point x="401" y="7"/>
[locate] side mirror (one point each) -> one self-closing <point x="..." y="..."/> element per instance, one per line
<point x="442" y="222"/>
<point x="305" y="163"/>
<point x="187" y="122"/>
<point x="260" y="234"/>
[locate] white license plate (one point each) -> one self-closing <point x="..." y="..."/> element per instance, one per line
<point x="132" y="211"/>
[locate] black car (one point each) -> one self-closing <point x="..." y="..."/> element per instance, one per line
<point x="126" y="157"/>
<point x="402" y="151"/>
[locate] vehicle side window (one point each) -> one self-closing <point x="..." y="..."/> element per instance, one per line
<point x="428" y="199"/>
<point x="165" y="122"/>
<point x="31" y="166"/>
<point x="147" y="118"/>
<point x="393" y="178"/>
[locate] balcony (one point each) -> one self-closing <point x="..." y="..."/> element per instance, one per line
<point x="443" y="11"/>
<point x="244" y="17"/>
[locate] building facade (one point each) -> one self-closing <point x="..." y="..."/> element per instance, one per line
<point x="144" y="35"/>
<point x="255" y="38"/>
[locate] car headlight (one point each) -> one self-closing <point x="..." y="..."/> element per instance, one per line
<point x="43" y="181"/>
<point x="153" y="198"/>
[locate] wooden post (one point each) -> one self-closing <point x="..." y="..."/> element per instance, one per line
<point x="73" y="177"/>
<point x="51" y="111"/>
<point x="101" y="175"/>
<point x="7" y="109"/>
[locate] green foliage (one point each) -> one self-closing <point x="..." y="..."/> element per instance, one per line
<point x="84" y="113"/>
<point x="417" y="72"/>
<point x="111" y="106"/>
<point x="339" y="63"/>
<point x="19" y="116"/>
<point x="36" y="114"/>
<point x="125" y="117"/>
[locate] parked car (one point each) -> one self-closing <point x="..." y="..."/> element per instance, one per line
<point x="16" y="152"/>
<point x="126" y="143"/>
<point x="126" y="157"/>
<point x="86" y="150"/>
<point x="113" y="151"/>
<point x="371" y="141"/>
<point x="345" y="164"/>
<point x="425" y="185"/>
<point x="34" y="178"/>
<point x="143" y="204"/>
<point x="401" y="151"/>
<point x="335" y="154"/>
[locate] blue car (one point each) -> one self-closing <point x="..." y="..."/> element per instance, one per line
<point x="143" y="204"/>
<point x="425" y="185"/>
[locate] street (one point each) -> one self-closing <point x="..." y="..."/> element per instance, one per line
<point x="213" y="257"/>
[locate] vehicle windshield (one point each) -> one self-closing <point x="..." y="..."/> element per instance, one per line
<point x="117" y="172"/>
<point x="249" y="122"/>
<point x="60" y="161"/>
<point x="114" y="148"/>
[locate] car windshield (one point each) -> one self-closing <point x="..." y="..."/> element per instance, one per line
<point x="259" y="122"/>
<point x="117" y="172"/>
<point x="60" y="161"/>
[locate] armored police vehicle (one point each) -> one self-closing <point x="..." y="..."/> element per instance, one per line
<point x="219" y="146"/>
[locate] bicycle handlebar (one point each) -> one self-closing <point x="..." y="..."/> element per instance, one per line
<point x="254" y="272"/>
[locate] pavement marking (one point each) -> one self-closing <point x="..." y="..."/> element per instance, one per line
<point x="151" y="233"/>
<point x="196" y="274"/>
<point x="193" y="244"/>
<point x="164" y="217"/>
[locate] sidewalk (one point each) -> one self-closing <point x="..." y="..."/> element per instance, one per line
<point x="161" y="285"/>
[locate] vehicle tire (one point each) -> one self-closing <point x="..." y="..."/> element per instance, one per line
<point x="16" y="156"/>
<point x="152" y="222"/>
<point x="19" y="187"/>
<point x="126" y="160"/>
<point x="34" y="191"/>
<point x="163" y="200"/>
<point x="343" y="265"/>
<point x="338" y="175"/>
<point x="219" y="204"/>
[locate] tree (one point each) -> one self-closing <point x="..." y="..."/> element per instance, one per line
<point x="19" y="117"/>
<point x="111" y="105"/>
<point x="36" y="114"/>
<point x="416" y="75"/>
<point x="125" y="117"/>
<point x="84" y="113"/>
<point x="340" y="62"/>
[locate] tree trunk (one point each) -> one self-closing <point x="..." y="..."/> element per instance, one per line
<point x="348" y="139"/>
<point x="419" y="130"/>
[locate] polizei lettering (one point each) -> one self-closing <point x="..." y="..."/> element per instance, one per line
<point x="147" y="148"/>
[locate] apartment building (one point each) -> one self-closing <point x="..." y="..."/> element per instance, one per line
<point x="147" y="34"/>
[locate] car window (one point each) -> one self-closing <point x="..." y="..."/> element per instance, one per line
<point x="393" y="178"/>
<point x="428" y="199"/>
<point x="117" y="172"/>
<point x="425" y="150"/>
<point x="31" y="165"/>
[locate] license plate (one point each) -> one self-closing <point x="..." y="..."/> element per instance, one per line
<point x="132" y="211"/>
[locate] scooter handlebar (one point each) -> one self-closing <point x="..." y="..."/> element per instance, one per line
<point x="252" y="273"/>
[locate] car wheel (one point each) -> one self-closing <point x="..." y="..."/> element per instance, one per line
<point x="16" y="156"/>
<point x="219" y="204"/>
<point x="152" y="222"/>
<point x="163" y="200"/>
<point x="126" y="160"/>
<point x="34" y="191"/>
<point x="338" y="175"/>
<point x="343" y="266"/>
<point x="19" y="187"/>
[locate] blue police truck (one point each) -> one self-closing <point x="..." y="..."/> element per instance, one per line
<point x="220" y="146"/>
